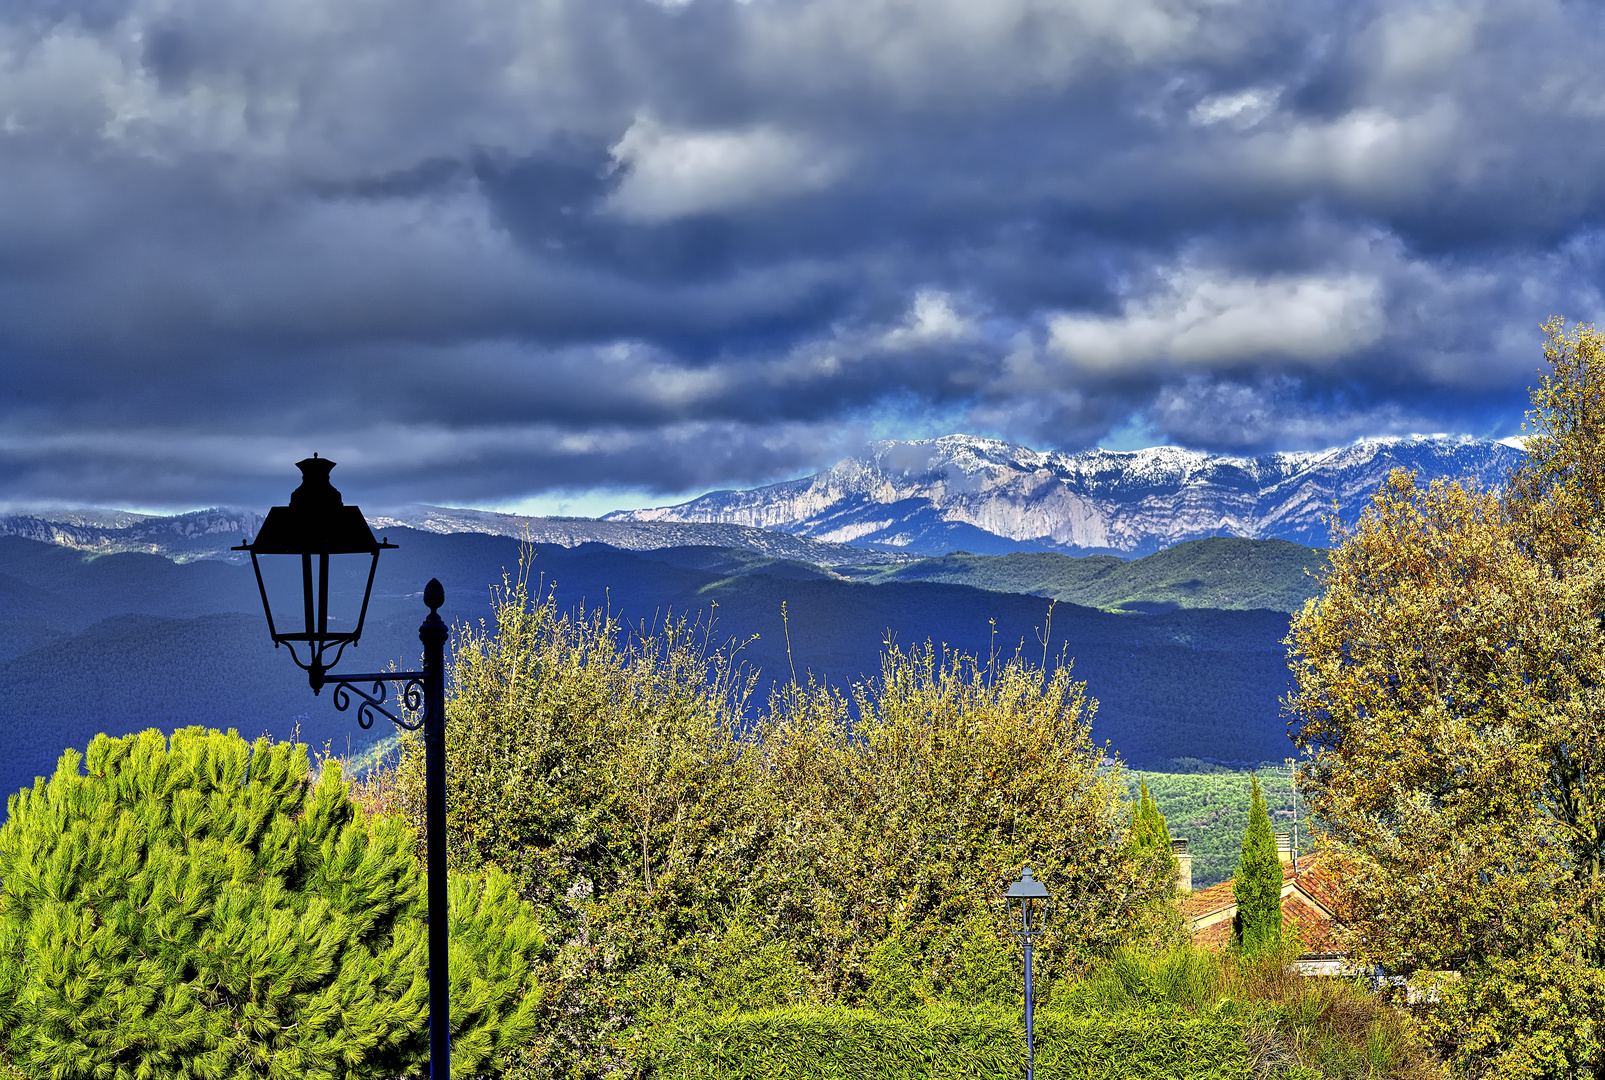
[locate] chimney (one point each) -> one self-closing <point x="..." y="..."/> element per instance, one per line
<point x="1184" y="865"/>
<point x="1284" y="848"/>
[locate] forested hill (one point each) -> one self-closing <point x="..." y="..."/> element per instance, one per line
<point x="1216" y="572"/>
<point x="122" y="642"/>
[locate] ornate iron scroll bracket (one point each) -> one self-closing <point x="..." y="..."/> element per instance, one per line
<point x="410" y="697"/>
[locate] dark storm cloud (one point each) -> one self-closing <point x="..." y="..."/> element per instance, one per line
<point x="478" y="252"/>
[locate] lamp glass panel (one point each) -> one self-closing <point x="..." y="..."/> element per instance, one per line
<point x="285" y="584"/>
<point x="348" y="579"/>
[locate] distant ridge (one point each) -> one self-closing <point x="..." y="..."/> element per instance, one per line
<point x="903" y="500"/>
<point x="990" y="497"/>
<point x="202" y="534"/>
<point x="636" y="535"/>
<point x="209" y="534"/>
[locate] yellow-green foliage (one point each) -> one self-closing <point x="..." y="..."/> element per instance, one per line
<point x="841" y="846"/>
<point x="1329" y="1027"/>
<point x="943" y="1043"/>
<point x="908" y="804"/>
<point x="203" y="908"/>
<point x="1449" y="685"/>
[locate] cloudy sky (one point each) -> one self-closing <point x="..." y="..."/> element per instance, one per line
<point x="577" y="254"/>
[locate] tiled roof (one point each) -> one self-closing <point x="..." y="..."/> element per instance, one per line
<point x="1206" y="901"/>
<point x="1309" y="900"/>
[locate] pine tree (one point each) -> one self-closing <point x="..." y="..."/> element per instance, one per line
<point x="203" y="908"/>
<point x="1257" y="884"/>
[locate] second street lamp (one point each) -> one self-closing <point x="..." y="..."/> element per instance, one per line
<point x="316" y="529"/>
<point x="1031" y="893"/>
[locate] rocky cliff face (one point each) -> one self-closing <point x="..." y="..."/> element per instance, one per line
<point x="201" y="534"/>
<point x="986" y="496"/>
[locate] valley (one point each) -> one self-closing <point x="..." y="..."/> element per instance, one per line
<point x="125" y="641"/>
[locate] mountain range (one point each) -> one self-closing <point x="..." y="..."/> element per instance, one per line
<point x="213" y="533"/>
<point x="981" y="495"/>
<point x="902" y="500"/>
<point x="114" y="621"/>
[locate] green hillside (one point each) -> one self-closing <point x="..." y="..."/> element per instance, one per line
<point x="1217" y="572"/>
<point x="1211" y="810"/>
<point x="123" y="642"/>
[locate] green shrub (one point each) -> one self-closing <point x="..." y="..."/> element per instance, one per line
<point x="984" y="970"/>
<point x="1145" y="1042"/>
<point x="736" y="967"/>
<point x="615" y="773"/>
<point x="1185" y="977"/>
<point x="203" y="909"/>
<point x="897" y="979"/>
<point x="942" y="1043"/>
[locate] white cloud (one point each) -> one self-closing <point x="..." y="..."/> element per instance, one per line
<point x="1368" y="151"/>
<point x="1423" y="42"/>
<point x="932" y="319"/>
<point x="672" y="173"/>
<point x="1241" y="110"/>
<point x="1205" y="318"/>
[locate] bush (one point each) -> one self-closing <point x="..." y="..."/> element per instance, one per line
<point x="201" y="908"/>
<point x="1293" y="1026"/>
<point x="1531" y="1018"/>
<point x="896" y="979"/>
<point x="982" y="968"/>
<point x="799" y="1044"/>
<point x="864" y="837"/>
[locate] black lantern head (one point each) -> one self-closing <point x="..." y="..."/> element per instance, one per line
<point x="1031" y="894"/>
<point x="316" y="523"/>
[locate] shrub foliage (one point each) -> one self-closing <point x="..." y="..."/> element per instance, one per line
<point x="948" y="1044"/>
<point x="204" y="909"/>
<point x="840" y="846"/>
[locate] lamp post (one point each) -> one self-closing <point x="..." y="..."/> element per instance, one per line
<point x="1030" y="893"/>
<point x="317" y="528"/>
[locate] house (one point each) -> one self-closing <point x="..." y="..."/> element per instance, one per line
<point x="1309" y="898"/>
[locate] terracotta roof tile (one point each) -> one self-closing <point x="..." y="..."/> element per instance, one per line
<point x="1205" y="901"/>
<point x="1308" y="901"/>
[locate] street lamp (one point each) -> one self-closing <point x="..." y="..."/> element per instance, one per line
<point x="1032" y="895"/>
<point x="324" y="534"/>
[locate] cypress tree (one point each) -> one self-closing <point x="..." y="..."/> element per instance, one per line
<point x="1150" y="835"/>
<point x="204" y="909"/>
<point x="1257" y="884"/>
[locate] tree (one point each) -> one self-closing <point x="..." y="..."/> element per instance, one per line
<point x="1449" y="685"/>
<point x="1257" y="884"/>
<point x="1150" y="835"/>
<point x="600" y="766"/>
<point x="202" y="908"/>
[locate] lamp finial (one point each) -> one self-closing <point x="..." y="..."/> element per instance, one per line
<point x="315" y="491"/>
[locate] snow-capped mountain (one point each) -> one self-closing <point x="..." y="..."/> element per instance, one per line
<point x="987" y="496"/>
<point x="632" y="535"/>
